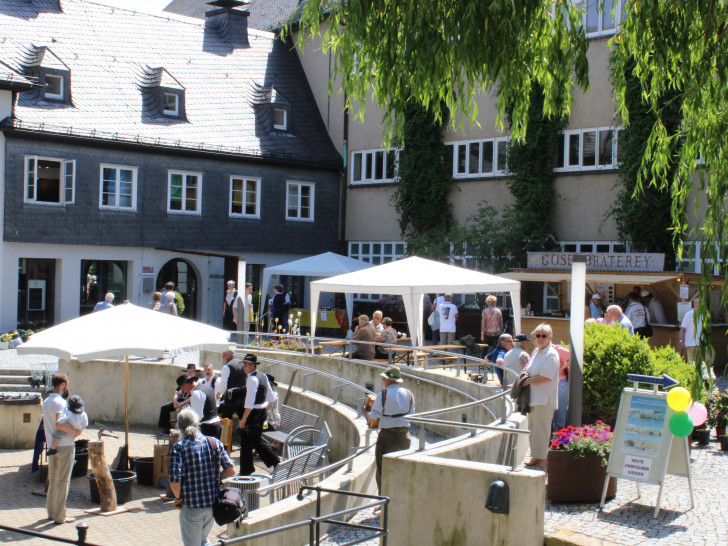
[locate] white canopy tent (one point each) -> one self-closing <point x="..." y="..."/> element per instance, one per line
<point x="321" y="265"/>
<point x="414" y="277"/>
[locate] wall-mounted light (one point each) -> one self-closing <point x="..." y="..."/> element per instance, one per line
<point x="498" y="497"/>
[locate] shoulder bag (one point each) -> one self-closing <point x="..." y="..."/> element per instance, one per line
<point x="230" y="504"/>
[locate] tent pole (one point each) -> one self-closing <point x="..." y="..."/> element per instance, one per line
<point x="126" y="403"/>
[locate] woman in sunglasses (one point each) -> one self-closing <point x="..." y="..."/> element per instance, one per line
<point x="543" y="372"/>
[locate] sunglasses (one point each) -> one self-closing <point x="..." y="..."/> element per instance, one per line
<point x="541" y="335"/>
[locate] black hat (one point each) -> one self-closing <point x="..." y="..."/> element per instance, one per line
<point x="251" y="358"/>
<point x="75" y="404"/>
<point x="521" y="338"/>
<point x="271" y="380"/>
<point x="182" y="379"/>
<point x="192" y="368"/>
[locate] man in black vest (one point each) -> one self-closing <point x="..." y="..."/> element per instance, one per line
<point x="232" y="386"/>
<point x="179" y="401"/>
<point x="258" y="393"/>
<point x="202" y="402"/>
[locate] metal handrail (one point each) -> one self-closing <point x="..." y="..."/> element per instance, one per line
<point x="81" y="529"/>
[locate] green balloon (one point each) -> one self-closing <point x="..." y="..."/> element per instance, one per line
<point x="681" y="424"/>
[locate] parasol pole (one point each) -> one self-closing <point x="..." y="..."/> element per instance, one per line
<point x="126" y="404"/>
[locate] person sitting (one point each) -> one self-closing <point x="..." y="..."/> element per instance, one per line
<point x="376" y="322"/>
<point x="388" y="335"/>
<point x="364" y="332"/>
<point x="179" y="400"/>
<point x="203" y="403"/>
<point x="497" y="355"/>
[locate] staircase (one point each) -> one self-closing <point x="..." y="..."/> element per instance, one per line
<point x="16" y="379"/>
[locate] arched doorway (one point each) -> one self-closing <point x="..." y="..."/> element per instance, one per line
<point x="183" y="275"/>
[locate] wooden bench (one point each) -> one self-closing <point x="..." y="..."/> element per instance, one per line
<point x="292" y="420"/>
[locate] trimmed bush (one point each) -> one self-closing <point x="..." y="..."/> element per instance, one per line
<point x="666" y="360"/>
<point x="610" y="353"/>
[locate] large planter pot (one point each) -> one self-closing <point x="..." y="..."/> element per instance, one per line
<point x="572" y="479"/>
<point x="3" y="345"/>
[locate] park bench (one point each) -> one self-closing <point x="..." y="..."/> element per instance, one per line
<point x="292" y="420"/>
<point x="323" y="438"/>
<point x="301" y="464"/>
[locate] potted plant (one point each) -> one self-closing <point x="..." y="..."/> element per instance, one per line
<point x="5" y="340"/>
<point x="717" y="405"/>
<point x="577" y="463"/>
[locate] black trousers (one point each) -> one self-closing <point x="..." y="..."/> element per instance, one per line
<point x="252" y="438"/>
<point x="211" y="429"/>
<point x="165" y="416"/>
<point x="232" y="407"/>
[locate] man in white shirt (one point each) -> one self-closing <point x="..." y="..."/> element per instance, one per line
<point x="654" y="308"/>
<point x="377" y="323"/>
<point x="439" y="300"/>
<point x="60" y="465"/>
<point x="689" y="335"/>
<point x="210" y="379"/>
<point x="448" y="315"/>
<point x="202" y="402"/>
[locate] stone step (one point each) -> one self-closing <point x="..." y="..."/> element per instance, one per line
<point x="15" y="379"/>
<point x="10" y="387"/>
<point x="16" y="371"/>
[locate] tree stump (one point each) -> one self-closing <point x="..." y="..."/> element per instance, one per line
<point x="107" y="493"/>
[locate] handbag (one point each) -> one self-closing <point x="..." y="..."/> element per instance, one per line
<point x="230" y="504"/>
<point x="434" y="320"/>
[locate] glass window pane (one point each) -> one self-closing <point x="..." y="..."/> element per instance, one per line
<point x="605" y="148"/>
<point x="376" y="248"/>
<point x="589" y="147"/>
<point x="608" y="15"/>
<point x="279" y="118"/>
<point x="603" y="247"/>
<point x="559" y="153"/>
<point x="486" y="164"/>
<point x="502" y="145"/>
<point x="391" y="164"/>
<point x="574" y="149"/>
<point x="356" y="169"/>
<point x="399" y="249"/>
<point x="586" y="248"/>
<point x="569" y="247"/>
<point x="54" y="85"/>
<point x="126" y="175"/>
<point x="379" y="165"/>
<point x="474" y="159"/>
<point x="592" y="16"/>
<point x="369" y="166"/>
<point x="387" y="248"/>
<point x="365" y="248"/>
<point x="353" y="249"/>
<point x="461" y="159"/>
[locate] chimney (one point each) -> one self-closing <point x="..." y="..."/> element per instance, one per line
<point x="230" y="24"/>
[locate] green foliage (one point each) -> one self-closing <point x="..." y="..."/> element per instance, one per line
<point x="530" y="162"/>
<point x="448" y="51"/>
<point x="717" y="405"/>
<point x="667" y="360"/>
<point x="424" y="182"/>
<point x="678" y="49"/>
<point x="642" y="211"/>
<point x="610" y="353"/>
<point x="179" y="301"/>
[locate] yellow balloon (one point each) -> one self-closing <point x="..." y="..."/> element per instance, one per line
<point x="678" y="399"/>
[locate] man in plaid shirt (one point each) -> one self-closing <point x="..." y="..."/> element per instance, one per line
<point x="194" y="478"/>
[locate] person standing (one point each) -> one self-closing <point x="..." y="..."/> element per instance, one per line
<point x="390" y="407"/>
<point x="156" y="301"/>
<point x="637" y="314"/>
<point x="615" y="316"/>
<point x="277" y="310"/>
<point x="228" y="305"/>
<point x="194" y="478"/>
<point x="258" y="394"/>
<point x="492" y="323"/>
<point x="108" y="303"/>
<point x="689" y="335"/>
<point x="516" y="359"/>
<point x="543" y="379"/>
<point x="231" y="388"/>
<point x="60" y="464"/>
<point x="448" y="318"/>
<point x="595" y="307"/>
<point x="435" y="325"/>
<point x="656" y="313"/>
<point x="560" y="413"/>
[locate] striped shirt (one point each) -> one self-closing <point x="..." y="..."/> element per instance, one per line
<point x="194" y="464"/>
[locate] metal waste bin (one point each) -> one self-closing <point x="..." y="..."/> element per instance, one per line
<point x="20" y="415"/>
<point x="249" y="485"/>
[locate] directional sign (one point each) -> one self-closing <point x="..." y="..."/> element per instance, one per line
<point x="666" y="381"/>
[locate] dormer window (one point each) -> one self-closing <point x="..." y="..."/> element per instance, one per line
<point x="54" y="87"/>
<point x="280" y="119"/>
<point x="171" y="104"/>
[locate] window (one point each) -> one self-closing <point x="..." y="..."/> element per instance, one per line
<point x="171" y="104"/>
<point x="185" y="192"/>
<point x="374" y="166"/>
<point x="49" y="180"/>
<point x="53" y="87"/>
<point x="245" y="197"/>
<point x="601" y="17"/>
<point x="550" y="297"/>
<point x="610" y="247"/>
<point x="299" y="201"/>
<point x="586" y="150"/>
<point x="118" y="187"/>
<point x="479" y="158"/>
<point x="280" y="119"/>
<point x="376" y="252"/>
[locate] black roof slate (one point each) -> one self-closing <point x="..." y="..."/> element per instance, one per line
<point x="110" y="50"/>
<point x="264" y="14"/>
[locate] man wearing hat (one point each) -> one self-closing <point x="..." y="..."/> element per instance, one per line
<point x="258" y="394"/>
<point x="516" y="359"/>
<point x="390" y="407"/>
<point x="595" y="307"/>
<point x="654" y="308"/>
<point x="231" y="387"/>
<point x="203" y="403"/>
<point x="179" y="400"/>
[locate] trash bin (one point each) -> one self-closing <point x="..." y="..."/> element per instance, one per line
<point x="80" y="465"/>
<point x="249" y="485"/>
<point x="20" y="413"/>
<point x="144" y="468"/>
<point x="123" y="483"/>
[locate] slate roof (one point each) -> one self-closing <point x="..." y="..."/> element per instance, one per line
<point x="264" y="14"/>
<point x="112" y="54"/>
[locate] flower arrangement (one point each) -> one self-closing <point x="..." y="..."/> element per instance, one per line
<point x="717" y="405"/>
<point x="5" y="338"/>
<point x="596" y="438"/>
<point x="389" y="304"/>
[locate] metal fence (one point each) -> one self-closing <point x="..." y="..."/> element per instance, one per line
<point x="81" y="530"/>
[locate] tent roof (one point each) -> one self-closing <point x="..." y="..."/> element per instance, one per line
<point x="416" y="275"/>
<point x="321" y="265"/>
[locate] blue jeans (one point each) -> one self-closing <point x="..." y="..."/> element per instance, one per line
<point x="560" y="414"/>
<point x="195" y="524"/>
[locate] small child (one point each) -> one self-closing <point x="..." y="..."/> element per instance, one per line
<point x="74" y="416"/>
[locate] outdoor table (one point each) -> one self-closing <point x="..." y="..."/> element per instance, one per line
<point x="402" y="354"/>
<point x="338" y="346"/>
<point x="448" y="348"/>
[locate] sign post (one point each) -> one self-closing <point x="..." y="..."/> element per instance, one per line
<point x="643" y="448"/>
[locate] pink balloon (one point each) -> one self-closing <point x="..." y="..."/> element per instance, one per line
<point x="699" y="413"/>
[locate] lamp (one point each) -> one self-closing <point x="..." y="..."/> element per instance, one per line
<point x="498" y="497"/>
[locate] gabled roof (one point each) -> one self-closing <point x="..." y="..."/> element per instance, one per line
<point x="109" y="52"/>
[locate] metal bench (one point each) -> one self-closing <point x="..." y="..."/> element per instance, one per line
<point x="304" y="462"/>
<point x="292" y="420"/>
<point x="322" y="439"/>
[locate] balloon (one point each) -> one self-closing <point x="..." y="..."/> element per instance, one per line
<point x="681" y="424"/>
<point x="678" y="399"/>
<point x="699" y="413"/>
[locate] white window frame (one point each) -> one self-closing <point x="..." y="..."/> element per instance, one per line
<point x="245" y="180"/>
<point x="185" y="175"/>
<point x="167" y="111"/>
<point x="118" y="168"/>
<point x="549" y="296"/>
<point x="290" y="184"/>
<point x="624" y="246"/>
<point x="54" y="96"/>
<point x="284" y="125"/>
<point x="67" y="181"/>
<point x="372" y="153"/>
<point x="498" y="169"/>
<point x="601" y="31"/>
<point x="356" y="251"/>
<point x="568" y="167"/>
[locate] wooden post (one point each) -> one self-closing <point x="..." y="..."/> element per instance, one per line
<point x="107" y="493"/>
<point x="126" y="406"/>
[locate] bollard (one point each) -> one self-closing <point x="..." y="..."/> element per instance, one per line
<point x="82" y="530"/>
